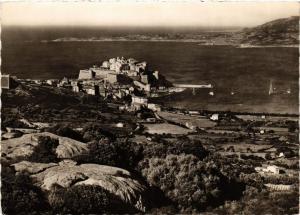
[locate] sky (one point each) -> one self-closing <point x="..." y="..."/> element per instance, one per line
<point x="190" y="13"/>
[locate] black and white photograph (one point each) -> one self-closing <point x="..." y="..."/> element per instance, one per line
<point x="149" y="107"/>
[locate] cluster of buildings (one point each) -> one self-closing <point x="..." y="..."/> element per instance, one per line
<point x="117" y="78"/>
<point x="121" y="70"/>
<point x="120" y="77"/>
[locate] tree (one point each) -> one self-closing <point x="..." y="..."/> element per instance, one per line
<point x="190" y="183"/>
<point x="113" y="153"/>
<point x="292" y="126"/>
<point x="95" y="132"/>
<point x="100" y="152"/>
<point x="179" y="146"/>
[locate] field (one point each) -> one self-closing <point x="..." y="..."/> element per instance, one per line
<point x="242" y="147"/>
<point x="165" y="128"/>
<point x="187" y="120"/>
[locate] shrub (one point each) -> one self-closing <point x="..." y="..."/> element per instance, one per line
<point x="262" y="202"/>
<point x="131" y="154"/>
<point x="127" y="155"/>
<point x="113" y="153"/>
<point x="190" y="183"/>
<point x="65" y="131"/>
<point x="85" y="199"/>
<point x="101" y="152"/>
<point x="292" y="126"/>
<point x="95" y="132"/>
<point x="44" y="152"/>
<point x="181" y="145"/>
<point x="11" y="121"/>
<point x="19" y="195"/>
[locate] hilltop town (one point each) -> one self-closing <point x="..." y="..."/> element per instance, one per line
<point x="103" y="130"/>
<point x="120" y="78"/>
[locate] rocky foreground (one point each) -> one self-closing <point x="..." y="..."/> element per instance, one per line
<point x="67" y="173"/>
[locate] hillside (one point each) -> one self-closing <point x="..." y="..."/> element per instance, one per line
<point x="278" y="32"/>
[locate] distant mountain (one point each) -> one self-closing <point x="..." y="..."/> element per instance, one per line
<point x="278" y="32"/>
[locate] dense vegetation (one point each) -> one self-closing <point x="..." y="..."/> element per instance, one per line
<point x="183" y="178"/>
<point x="19" y="195"/>
<point x="191" y="184"/>
<point x="87" y="199"/>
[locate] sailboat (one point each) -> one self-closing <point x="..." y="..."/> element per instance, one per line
<point x="271" y="88"/>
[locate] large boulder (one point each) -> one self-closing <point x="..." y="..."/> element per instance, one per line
<point x="67" y="173"/>
<point x="24" y="146"/>
<point x="32" y="168"/>
<point x="9" y="135"/>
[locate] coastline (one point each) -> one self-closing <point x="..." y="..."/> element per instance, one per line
<point x="200" y="42"/>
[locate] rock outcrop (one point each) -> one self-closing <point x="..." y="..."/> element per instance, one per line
<point x="67" y="173"/>
<point x="24" y="146"/>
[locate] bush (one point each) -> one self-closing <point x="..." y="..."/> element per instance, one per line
<point x="95" y="132"/>
<point x="44" y="152"/>
<point x="190" y="183"/>
<point x="121" y="154"/>
<point x="85" y="199"/>
<point x="131" y="154"/>
<point x="13" y="122"/>
<point x="65" y="131"/>
<point x="19" y="195"/>
<point x="102" y="152"/>
<point x="262" y="202"/>
<point x="181" y="145"/>
<point x="292" y="126"/>
<point x="127" y="155"/>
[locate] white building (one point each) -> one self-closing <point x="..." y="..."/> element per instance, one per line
<point x="139" y="100"/>
<point x="269" y="169"/>
<point x="120" y="125"/>
<point x="91" y="91"/>
<point x="85" y="74"/>
<point x="105" y="64"/>
<point x="154" y="107"/>
<point x="75" y="89"/>
<point x="214" y="117"/>
<point x="273" y="169"/>
<point x="145" y="87"/>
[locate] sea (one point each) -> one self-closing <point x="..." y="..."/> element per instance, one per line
<point x="241" y="76"/>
